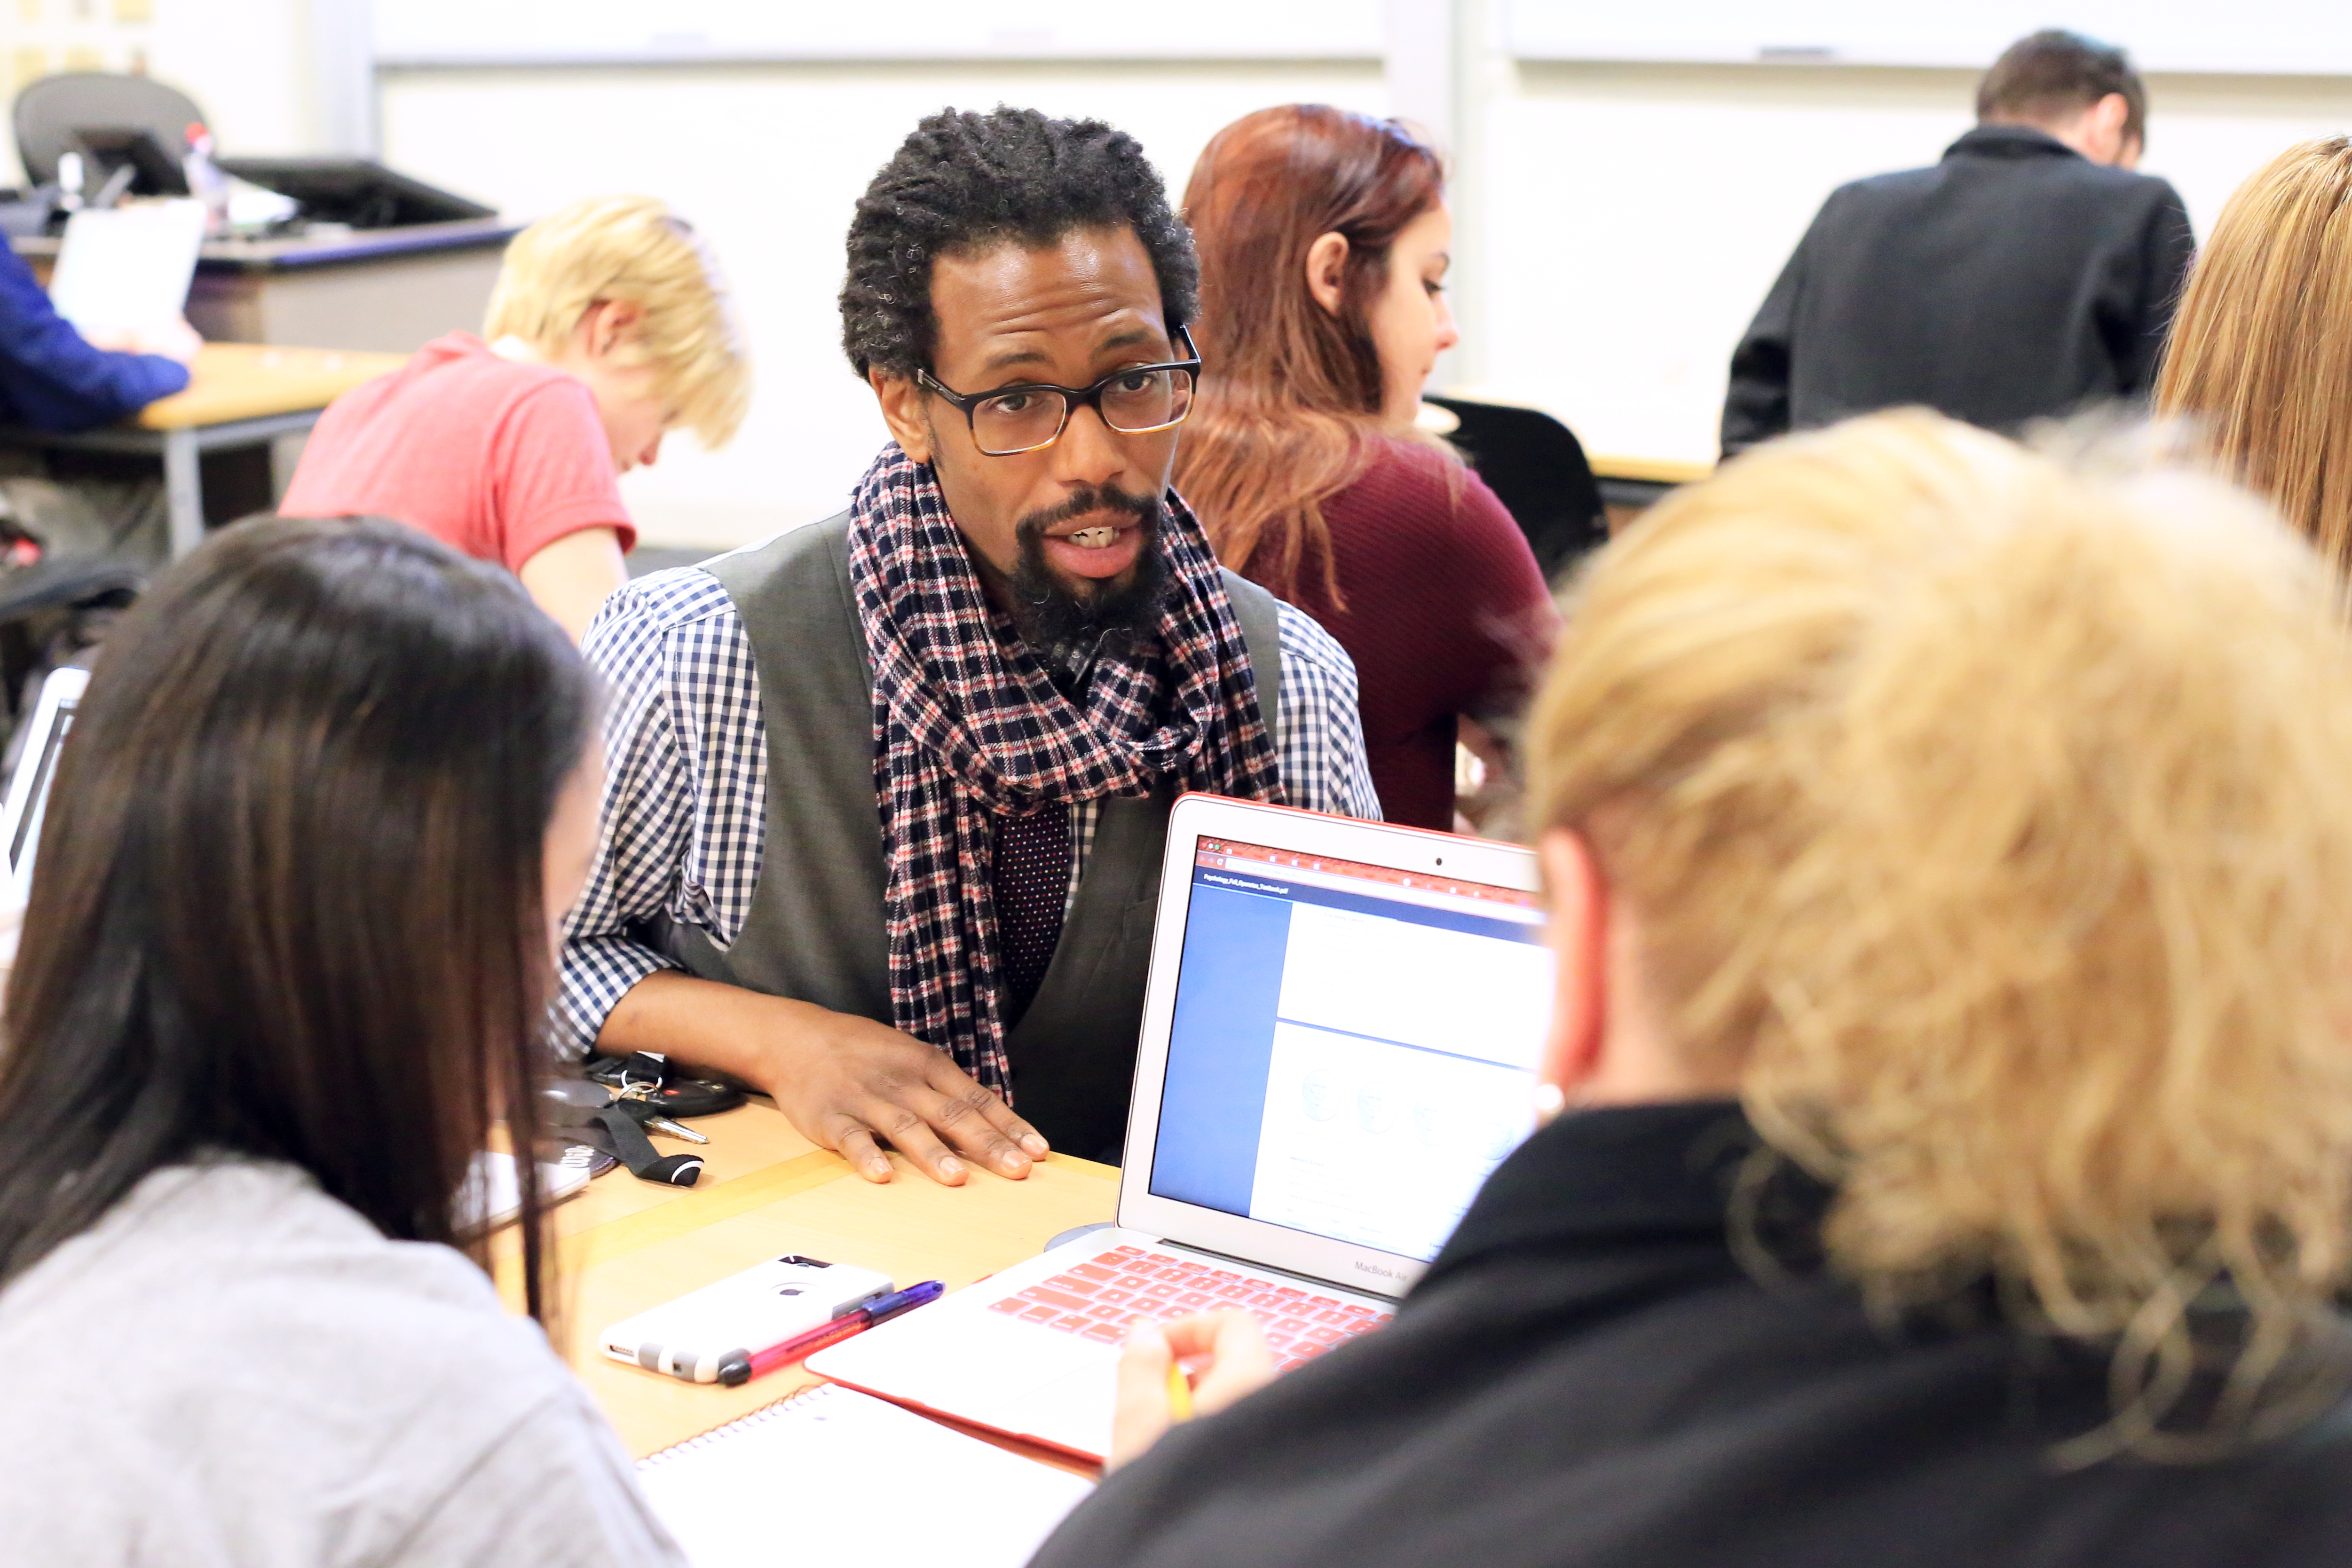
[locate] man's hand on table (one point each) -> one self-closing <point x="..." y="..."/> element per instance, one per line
<point x="861" y="1084"/>
<point x="845" y="1084"/>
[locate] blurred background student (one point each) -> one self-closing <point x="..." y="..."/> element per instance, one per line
<point x="2029" y="273"/>
<point x="290" y="939"/>
<point x="1952" y="988"/>
<point x="610" y="326"/>
<point x="1324" y="243"/>
<point x="53" y="379"/>
<point x="2260" y="365"/>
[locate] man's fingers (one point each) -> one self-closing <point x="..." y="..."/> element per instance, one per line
<point x="911" y="1135"/>
<point x="864" y="1084"/>
<point x="1141" y="1413"/>
<point x="1020" y="1132"/>
<point x="853" y="1142"/>
<point x="979" y="1124"/>
<point x="1001" y="1116"/>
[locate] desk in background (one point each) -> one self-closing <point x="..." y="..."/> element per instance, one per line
<point x="1631" y="486"/>
<point x="376" y="290"/>
<point x="1663" y="471"/>
<point x="240" y="396"/>
<point x="627" y="1246"/>
<point x="1628" y="485"/>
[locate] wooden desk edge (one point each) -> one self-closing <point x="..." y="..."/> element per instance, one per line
<point x="1604" y="466"/>
<point x="230" y="382"/>
<point x="247" y="254"/>
<point x="1649" y="470"/>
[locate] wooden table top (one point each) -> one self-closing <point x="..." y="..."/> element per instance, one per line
<point x="625" y="1246"/>
<point x="251" y="381"/>
<point x="1648" y="470"/>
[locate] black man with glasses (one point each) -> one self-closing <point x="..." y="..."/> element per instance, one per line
<point x="886" y="795"/>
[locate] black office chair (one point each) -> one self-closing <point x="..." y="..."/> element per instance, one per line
<point x="1537" y="468"/>
<point x="53" y="613"/>
<point x="109" y="118"/>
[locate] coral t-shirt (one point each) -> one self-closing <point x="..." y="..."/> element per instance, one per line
<point x="495" y="458"/>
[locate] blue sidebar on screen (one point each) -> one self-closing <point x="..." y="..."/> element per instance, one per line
<point x="1221" y="1042"/>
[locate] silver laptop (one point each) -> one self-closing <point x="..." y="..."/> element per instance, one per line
<point x="28" y="801"/>
<point x="1339" y="1041"/>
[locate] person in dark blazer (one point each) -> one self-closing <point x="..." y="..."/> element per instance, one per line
<point x="1949" y="1018"/>
<point x="2029" y="273"/>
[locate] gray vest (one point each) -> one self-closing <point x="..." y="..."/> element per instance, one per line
<point x="814" y="931"/>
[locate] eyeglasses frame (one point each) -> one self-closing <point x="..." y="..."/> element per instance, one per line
<point x="1073" y="398"/>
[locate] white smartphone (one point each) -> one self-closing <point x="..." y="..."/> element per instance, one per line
<point x="691" y="1337"/>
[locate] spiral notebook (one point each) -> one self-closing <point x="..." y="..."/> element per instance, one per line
<point x="825" y="1475"/>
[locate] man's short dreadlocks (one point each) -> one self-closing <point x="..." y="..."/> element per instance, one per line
<point x="964" y="179"/>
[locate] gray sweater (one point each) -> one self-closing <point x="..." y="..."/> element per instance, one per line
<point x="233" y="1368"/>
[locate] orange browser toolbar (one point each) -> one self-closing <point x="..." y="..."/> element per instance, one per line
<point x="1228" y="854"/>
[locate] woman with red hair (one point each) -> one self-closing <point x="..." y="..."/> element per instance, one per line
<point x="1323" y="238"/>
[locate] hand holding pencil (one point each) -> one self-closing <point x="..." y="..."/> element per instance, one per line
<point x="1155" y="1392"/>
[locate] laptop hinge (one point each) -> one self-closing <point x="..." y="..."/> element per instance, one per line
<point x="1255" y="1267"/>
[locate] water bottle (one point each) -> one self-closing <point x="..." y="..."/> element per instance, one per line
<point x="205" y="182"/>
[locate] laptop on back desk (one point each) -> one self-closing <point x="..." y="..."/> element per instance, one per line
<point x="1339" y="1041"/>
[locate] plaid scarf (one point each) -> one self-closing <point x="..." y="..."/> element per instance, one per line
<point x="968" y="726"/>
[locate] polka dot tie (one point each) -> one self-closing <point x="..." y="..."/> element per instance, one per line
<point x="1033" y="883"/>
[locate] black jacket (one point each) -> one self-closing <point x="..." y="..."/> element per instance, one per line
<point x="1587" y="1377"/>
<point x="2016" y="278"/>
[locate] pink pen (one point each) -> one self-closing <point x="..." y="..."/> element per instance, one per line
<point x="857" y="1320"/>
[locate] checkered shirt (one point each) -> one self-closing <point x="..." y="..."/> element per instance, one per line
<point x="685" y="758"/>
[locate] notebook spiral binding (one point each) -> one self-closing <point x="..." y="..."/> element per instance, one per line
<point x="764" y="1413"/>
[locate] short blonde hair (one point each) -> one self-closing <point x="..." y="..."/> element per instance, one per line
<point x="2261" y="356"/>
<point x="1991" y="814"/>
<point x="633" y="249"/>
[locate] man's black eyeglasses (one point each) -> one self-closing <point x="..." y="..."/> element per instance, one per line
<point x="1023" y="418"/>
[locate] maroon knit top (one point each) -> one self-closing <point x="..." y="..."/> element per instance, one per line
<point x="1447" y="614"/>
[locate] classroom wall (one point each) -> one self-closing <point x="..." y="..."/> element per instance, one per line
<point x="768" y="161"/>
<point x="247" y="63"/>
<point x="1629" y="219"/>
<point x="1623" y="222"/>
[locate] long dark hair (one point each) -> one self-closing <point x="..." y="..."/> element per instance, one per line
<point x="1289" y="408"/>
<point x="288" y="901"/>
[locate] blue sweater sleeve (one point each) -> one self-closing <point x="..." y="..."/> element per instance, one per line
<point x="50" y="379"/>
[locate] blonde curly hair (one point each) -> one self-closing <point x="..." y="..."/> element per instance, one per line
<point x="1990" y="812"/>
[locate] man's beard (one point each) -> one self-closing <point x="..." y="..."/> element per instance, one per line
<point x="1070" y="627"/>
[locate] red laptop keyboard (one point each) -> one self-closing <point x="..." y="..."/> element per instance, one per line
<point x="1098" y="1299"/>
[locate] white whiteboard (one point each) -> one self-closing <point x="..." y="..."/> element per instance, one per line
<point x="501" y="32"/>
<point x="2250" y="37"/>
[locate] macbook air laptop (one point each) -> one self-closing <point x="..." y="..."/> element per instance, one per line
<point x="1339" y="1041"/>
<point x="28" y="801"/>
<point x="128" y="269"/>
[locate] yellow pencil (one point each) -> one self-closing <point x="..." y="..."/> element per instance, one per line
<point x="1180" y="1392"/>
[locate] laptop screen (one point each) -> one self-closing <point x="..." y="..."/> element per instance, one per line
<point x="1353" y="1047"/>
<point x="41" y="755"/>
